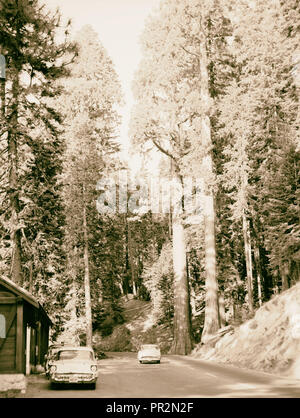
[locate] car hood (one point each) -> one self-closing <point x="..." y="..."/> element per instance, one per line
<point x="71" y="366"/>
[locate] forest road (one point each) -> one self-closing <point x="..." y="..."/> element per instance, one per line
<point x="122" y="376"/>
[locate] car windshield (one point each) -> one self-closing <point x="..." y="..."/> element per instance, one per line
<point x="75" y="355"/>
<point x="150" y="347"/>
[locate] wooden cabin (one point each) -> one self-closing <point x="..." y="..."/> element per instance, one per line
<point x="24" y="329"/>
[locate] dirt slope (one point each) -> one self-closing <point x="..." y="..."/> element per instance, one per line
<point x="143" y="327"/>
<point x="139" y="328"/>
<point x="270" y="341"/>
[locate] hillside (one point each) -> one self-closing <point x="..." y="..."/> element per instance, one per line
<point x="270" y="341"/>
<point x="139" y="327"/>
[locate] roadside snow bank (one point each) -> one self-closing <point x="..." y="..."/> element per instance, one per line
<point x="12" y="382"/>
<point x="270" y="341"/>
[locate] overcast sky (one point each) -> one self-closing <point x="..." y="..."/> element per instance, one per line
<point x="119" y="24"/>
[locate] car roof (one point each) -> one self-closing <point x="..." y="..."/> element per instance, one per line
<point x="59" y="347"/>
<point x="79" y="348"/>
<point x="150" y="345"/>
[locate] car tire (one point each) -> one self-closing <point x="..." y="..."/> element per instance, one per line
<point x="53" y="386"/>
<point x="158" y="361"/>
<point x="93" y="386"/>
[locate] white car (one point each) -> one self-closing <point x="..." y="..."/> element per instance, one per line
<point x="149" y="353"/>
<point x="74" y="365"/>
<point x="50" y="356"/>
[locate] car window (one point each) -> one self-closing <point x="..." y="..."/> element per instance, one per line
<point x="74" y="354"/>
<point x="150" y="346"/>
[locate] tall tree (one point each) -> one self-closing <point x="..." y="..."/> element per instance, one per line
<point x="30" y="146"/>
<point x="91" y="96"/>
<point x="212" y="322"/>
<point x="158" y="119"/>
<point x="259" y="113"/>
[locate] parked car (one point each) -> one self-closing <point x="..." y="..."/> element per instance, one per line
<point x="52" y="350"/>
<point x="149" y="353"/>
<point x="74" y="365"/>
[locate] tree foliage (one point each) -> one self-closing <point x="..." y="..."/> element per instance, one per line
<point x="31" y="149"/>
<point x="89" y="102"/>
<point x="216" y="101"/>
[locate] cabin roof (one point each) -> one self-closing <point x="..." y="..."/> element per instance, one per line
<point x="24" y="294"/>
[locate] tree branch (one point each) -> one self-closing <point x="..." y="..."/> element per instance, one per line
<point x="190" y="117"/>
<point x="164" y="151"/>
<point x="189" y="52"/>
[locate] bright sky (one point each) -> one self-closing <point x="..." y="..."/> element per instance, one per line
<point x="119" y="24"/>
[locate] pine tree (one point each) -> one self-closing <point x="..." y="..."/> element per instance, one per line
<point x="91" y="94"/>
<point x="157" y="119"/>
<point x="259" y="113"/>
<point x="31" y="214"/>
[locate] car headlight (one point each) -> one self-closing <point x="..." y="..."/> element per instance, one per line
<point x="94" y="368"/>
<point x="53" y="369"/>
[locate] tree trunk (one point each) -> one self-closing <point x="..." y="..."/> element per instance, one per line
<point x="248" y="257"/>
<point x="234" y="312"/>
<point x="182" y="326"/>
<point x="222" y="318"/>
<point x="12" y="139"/>
<point x="87" y="290"/>
<point x="258" y="273"/>
<point x="284" y="270"/>
<point x="73" y="312"/>
<point x="2" y="96"/>
<point x="127" y="261"/>
<point x="170" y="202"/>
<point x="131" y="262"/>
<point x="30" y="276"/>
<point x="134" y="289"/>
<point x="121" y="289"/>
<point x="211" y="321"/>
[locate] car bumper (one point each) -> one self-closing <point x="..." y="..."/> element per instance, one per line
<point x="73" y="378"/>
<point x="149" y="359"/>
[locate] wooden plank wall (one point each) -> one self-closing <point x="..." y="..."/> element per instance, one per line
<point x="20" y="340"/>
<point x="8" y="344"/>
<point x="18" y="314"/>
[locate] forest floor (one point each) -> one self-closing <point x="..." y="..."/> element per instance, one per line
<point x="269" y="342"/>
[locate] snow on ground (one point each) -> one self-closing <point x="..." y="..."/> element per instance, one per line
<point x="269" y="342"/>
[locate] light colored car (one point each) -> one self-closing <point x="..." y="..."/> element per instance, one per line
<point x="74" y="365"/>
<point x="49" y="357"/>
<point x="149" y="353"/>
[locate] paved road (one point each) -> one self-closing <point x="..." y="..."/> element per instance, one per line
<point x="121" y="376"/>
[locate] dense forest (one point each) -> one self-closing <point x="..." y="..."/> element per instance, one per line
<point x="208" y="228"/>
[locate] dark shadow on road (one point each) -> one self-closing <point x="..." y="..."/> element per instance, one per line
<point x="69" y="386"/>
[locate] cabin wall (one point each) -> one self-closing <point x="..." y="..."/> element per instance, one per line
<point x="8" y="331"/>
<point x="16" y="315"/>
<point x="44" y="342"/>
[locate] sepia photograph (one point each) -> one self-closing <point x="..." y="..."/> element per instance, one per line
<point x="149" y="202"/>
